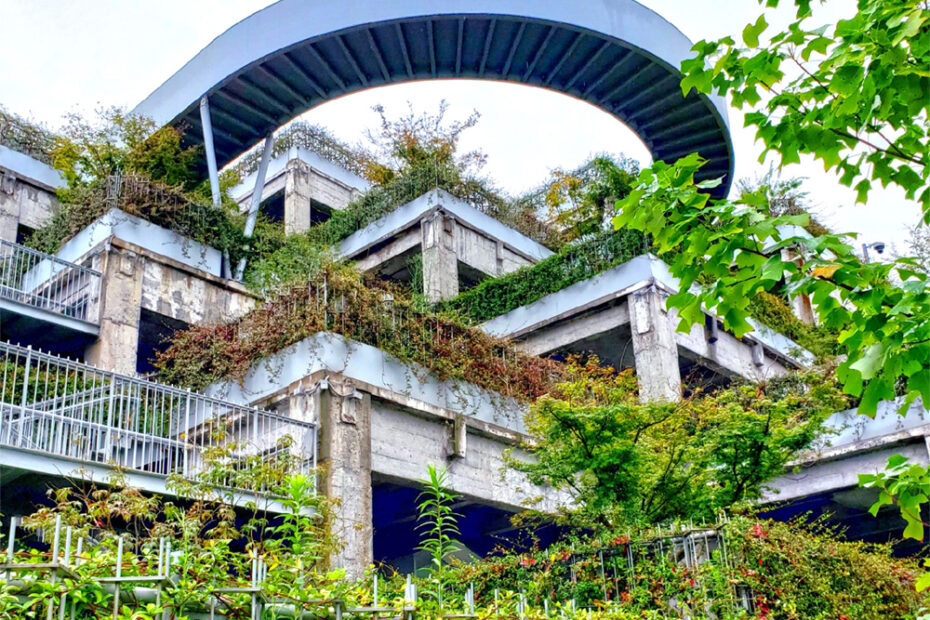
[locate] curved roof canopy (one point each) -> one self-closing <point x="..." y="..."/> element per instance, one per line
<point x="296" y="54"/>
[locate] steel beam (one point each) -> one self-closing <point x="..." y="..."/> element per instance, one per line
<point x="207" y="124"/>
<point x="256" y="197"/>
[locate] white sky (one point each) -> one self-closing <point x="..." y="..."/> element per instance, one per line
<point x="75" y="55"/>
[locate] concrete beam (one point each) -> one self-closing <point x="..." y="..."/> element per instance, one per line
<point x="396" y="247"/>
<point x="549" y="339"/>
<point x="728" y="355"/>
<point x="823" y="477"/>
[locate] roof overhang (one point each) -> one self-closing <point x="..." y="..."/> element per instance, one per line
<point x="296" y="54"/>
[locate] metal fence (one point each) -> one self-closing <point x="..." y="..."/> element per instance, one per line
<point x="59" y="407"/>
<point x="46" y="282"/>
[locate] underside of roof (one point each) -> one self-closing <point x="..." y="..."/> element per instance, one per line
<point x="256" y="83"/>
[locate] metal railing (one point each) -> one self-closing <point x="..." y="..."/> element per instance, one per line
<point x="60" y="407"/>
<point x="46" y="282"/>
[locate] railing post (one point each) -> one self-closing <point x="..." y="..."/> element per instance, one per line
<point x="185" y="467"/>
<point x="22" y="403"/>
<point x="110" y="447"/>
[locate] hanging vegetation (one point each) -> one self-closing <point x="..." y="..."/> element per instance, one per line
<point x="366" y="310"/>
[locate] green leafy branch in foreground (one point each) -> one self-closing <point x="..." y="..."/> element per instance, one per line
<point x="726" y="252"/>
<point x="853" y="95"/>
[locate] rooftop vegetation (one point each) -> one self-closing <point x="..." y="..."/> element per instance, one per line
<point x="18" y="134"/>
<point x="363" y="309"/>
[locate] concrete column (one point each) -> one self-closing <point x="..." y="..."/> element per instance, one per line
<point x="654" y="347"/>
<point x="117" y="346"/>
<point x="440" y="263"/>
<point x="345" y="457"/>
<point x="297" y="193"/>
<point x="9" y="208"/>
<point x="800" y="304"/>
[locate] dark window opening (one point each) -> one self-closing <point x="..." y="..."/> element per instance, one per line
<point x="155" y="332"/>
<point x="23" y="232"/>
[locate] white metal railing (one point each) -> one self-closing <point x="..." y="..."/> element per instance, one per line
<point x="63" y="408"/>
<point x="46" y="282"/>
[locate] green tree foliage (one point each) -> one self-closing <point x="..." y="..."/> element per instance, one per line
<point x="853" y="95"/>
<point x="580" y="202"/>
<point x="87" y="152"/>
<point x="629" y="462"/>
<point x="734" y="249"/>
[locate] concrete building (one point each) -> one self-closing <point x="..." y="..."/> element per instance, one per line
<point x="27" y="194"/>
<point x="455" y="245"/>
<point x="301" y="189"/>
<point x="112" y="293"/>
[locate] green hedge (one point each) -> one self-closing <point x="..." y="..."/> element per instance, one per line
<point x="571" y="264"/>
<point x="578" y="262"/>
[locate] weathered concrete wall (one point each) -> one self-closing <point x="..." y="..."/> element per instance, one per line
<point x="189" y="295"/>
<point x="729" y="355"/>
<point x="22" y="202"/>
<point x="403" y="444"/>
<point x="134" y="279"/>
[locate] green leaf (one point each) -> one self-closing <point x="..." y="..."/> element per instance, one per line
<point x="923" y="582"/>
<point x="871" y="361"/>
<point x="752" y="31"/>
<point x="847" y="80"/>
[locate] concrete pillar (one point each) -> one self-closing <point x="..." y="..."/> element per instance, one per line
<point x="654" y="347"/>
<point x="297" y="193"/>
<point x="9" y="208"/>
<point x="345" y="457"/>
<point x="117" y="346"/>
<point x="800" y="304"/>
<point x="440" y="263"/>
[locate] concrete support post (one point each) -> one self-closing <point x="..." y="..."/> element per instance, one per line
<point x="800" y="304"/>
<point x="297" y="194"/>
<point x="654" y="347"/>
<point x="345" y="456"/>
<point x="440" y="263"/>
<point x="9" y="209"/>
<point x="117" y="346"/>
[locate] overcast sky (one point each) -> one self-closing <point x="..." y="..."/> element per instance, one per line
<point x="75" y="55"/>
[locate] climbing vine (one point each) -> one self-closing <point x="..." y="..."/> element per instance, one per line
<point x="363" y="309"/>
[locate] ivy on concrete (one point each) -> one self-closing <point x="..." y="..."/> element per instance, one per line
<point x="572" y="264"/>
<point x="364" y="309"/>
